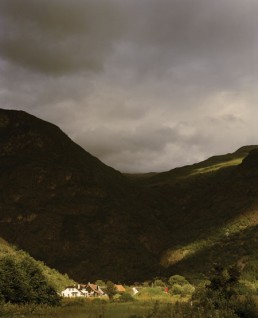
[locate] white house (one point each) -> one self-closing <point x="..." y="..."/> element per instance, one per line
<point x="72" y="291"/>
<point x="81" y="290"/>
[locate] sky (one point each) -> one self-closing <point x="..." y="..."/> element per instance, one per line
<point x="144" y="85"/>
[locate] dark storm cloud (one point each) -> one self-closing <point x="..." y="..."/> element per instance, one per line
<point x="212" y="41"/>
<point x="58" y="37"/>
<point x="144" y="85"/>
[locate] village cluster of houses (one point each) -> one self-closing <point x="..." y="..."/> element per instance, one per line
<point x="88" y="290"/>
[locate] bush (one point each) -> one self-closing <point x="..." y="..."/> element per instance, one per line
<point x="126" y="297"/>
<point x="250" y="271"/>
<point x="152" y="292"/>
<point x="159" y="283"/>
<point x="176" y="290"/>
<point x="188" y="289"/>
<point x="177" y="279"/>
<point x="100" y="283"/>
<point x="246" y="308"/>
<point x="246" y="288"/>
<point x="180" y="286"/>
<point x="75" y="301"/>
<point x="99" y="301"/>
<point x="182" y="290"/>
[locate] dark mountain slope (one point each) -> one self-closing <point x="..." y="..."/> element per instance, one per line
<point x="211" y="208"/>
<point x="67" y="208"/>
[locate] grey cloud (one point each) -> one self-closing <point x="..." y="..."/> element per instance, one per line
<point x="58" y="37"/>
<point x="143" y="85"/>
<point x="201" y="25"/>
<point x="208" y="42"/>
<point x="145" y="147"/>
<point x="151" y="148"/>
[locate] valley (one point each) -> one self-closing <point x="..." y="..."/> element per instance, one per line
<point x="68" y="209"/>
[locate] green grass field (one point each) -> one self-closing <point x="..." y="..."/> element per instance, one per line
<point x="98" y="309"/>
<point x="86" y="309"/>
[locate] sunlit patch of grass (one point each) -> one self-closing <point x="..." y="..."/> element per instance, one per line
<point x="154" y="294"/>
<point x="215" y="167"/>
<point x="239" y="224"/>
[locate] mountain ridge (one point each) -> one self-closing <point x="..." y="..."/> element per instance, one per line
<point x="67" y="208"/>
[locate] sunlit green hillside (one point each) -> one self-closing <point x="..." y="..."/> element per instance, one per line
<point x="210" y="165"/>
<point x="54" y="278"/>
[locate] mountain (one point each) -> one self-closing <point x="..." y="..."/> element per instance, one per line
<point x="68" y="209"/>
<point x="211" y="209"/>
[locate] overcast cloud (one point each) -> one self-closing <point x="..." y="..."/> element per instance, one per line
<point x="144" y="85"/>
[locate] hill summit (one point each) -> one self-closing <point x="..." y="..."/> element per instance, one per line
<point x="67" y="208"/>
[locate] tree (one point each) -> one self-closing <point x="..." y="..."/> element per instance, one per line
<point x="126" y="297"/>
<point x="14" y="285"/>
<point x="177" y="279"/>
<point x="224" y="280"/>
<point x="111" y="290"/>
<point x="221" y="290"/>
<point x="100" y="283"/>
<point x="179" y="285"/>
<point x="22" y="281"/>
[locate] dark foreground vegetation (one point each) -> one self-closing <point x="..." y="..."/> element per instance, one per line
<point x="26" y="293"/>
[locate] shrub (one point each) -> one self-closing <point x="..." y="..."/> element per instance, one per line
<point x="99" y="301"/>
<point x="152" y="292"/>
<point x="246" y="308"/>
<point x="246" y="288"/>
<point x="159" y="283"/>
<point x="176" y="290"/>
<point x="126" y="297"/>
<point x="180" y="286"/>
<point x="177" y="279"/>
<point x="188" y="289"/>
<point x="250" y="271"/>
<point x="76" y="301"/>
<point x="100" y="283"/>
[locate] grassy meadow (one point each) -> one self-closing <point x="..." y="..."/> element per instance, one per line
<point x="83" y="309"/>
<point x="174" y="308"/>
